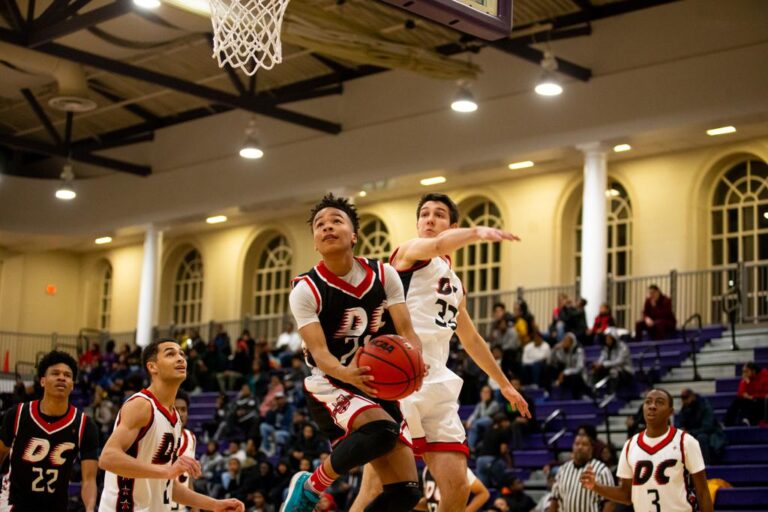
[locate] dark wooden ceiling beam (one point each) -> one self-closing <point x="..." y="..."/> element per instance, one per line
<point x="9" y="10"/>
<point x="534" y="56"/>
<point x="48" y="33"/>
<point x="58" y="10"/>
<point x="41" y="115"/>
<point x="47" y="149"/>
<point x="134" y="109"/>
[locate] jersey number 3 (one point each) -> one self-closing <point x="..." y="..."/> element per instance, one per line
<point x="446" y="314"/>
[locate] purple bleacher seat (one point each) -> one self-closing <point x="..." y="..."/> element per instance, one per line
<point x="761" y="353"/>
<point x="741" y="497"/>
<point x="531" y="458"/>
<point x="752" y="454"/>
<point x="727" y="385"/>
<point x="536" y="442"/>
<point x="720" y="400"/>
<point x="746" y="435"/>
<point x="739" y="475"/>
<point x="569" y="407"/>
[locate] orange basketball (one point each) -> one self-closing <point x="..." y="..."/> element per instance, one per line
<point x="396" y="366"/>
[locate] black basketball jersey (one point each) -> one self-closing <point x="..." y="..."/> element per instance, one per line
<point x="41" y="458"/>
<point x="349" y="315"/>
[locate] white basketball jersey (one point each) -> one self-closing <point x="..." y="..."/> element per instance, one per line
<point x="660" y="471"/>
<point x="157" y="443"/>
<point x="433" y="294"/>
<point x="187" y="449"/>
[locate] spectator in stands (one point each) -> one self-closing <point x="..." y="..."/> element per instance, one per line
<point x="258" y="380"/>
<point x="615" y="362"/>
<point x="557" y="326"/>
<point x="345" y="489"/>
<point x="233" y="485"/>
<point x="500" y="313"/>
<point x="482" y="417"/>
<point x="221" y="340"/>
<point x="242" y="415"/>
<point x="543" y="504"/>
<point x="280" y="483"/>
<point x="288" y="344"/>
<point x="568" y="494"/>
<point x="574" y="319"/>
<point x="211" y="364"/>
<point x="658" y="318"/>
<point x="698" y="419"/>
<point x="90" y="357"/>
<point x="603" y="321"/>
<point x="196" y="340"/>
<point x="499" y="505"/>
<point x="237" y="366"/>
<point x="246" y="338"/>
<point x="521" y="426"/>
<point x="749" y="405"/>
<point x="219" y="415"/>
<point x="504" y="335"/>
<point x="308" y="445"/>
<point x="609" y="457"/>
<point x="535" y="358"/>
<point x="294" y="380"/>
<point x="276" y="426"/>
<point x="524" y="322"/>
<point x="260" y="503"/>
<point x="109" y="357"/>
<point x="211" y="462"/>
<point x="516" y="497"/>
<point x="275" y="388"/>
<point x="494" y="453"/>
<point x="567" y="363"/>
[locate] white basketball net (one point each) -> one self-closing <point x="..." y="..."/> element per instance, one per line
<point x="246" y="33"/>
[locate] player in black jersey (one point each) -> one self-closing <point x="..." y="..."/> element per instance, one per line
<point x="338" y="305"/>
<point x="43" y="438"/>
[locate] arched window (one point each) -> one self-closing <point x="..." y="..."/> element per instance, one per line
<point x="619" y="224"/>
<point x="188" y="290"/>
<point x="479" y="265"/>
<point x="105" y="298"/>
<point x="740" y="214"/>
<point x="373" y="240"/>
<point x="272" y="282"/>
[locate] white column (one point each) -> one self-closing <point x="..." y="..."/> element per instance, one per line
<point x="150" y="276"/>
<point x="594" y="228"/>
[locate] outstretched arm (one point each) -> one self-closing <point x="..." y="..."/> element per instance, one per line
<point x="445" y="243"/>
<point x="478" y="350"/>
<point x="186" y="496"/>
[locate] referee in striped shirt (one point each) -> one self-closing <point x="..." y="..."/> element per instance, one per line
<point x="568" y="495"/>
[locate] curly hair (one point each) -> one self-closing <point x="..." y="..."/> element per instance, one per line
<point x="52" y="359"/>
<point x="339" y="203"/>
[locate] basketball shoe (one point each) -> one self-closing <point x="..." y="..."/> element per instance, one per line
<point x="300" y="499"/>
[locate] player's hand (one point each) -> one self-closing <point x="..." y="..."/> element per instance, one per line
<point x="184" y="465"/>
<point x="358" y="376"/>
<point x="516" y="400"/>
<point x="588" y="478"/>
<point x="495" y="235"/>
<point x="230" y="505"/>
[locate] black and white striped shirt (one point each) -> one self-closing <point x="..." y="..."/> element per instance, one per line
<point x="569" y="493"/>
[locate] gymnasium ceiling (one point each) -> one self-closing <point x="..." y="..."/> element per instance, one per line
<point x="165" y="107"/>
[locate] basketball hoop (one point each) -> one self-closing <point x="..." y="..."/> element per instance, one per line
<point x="246" y="33"/>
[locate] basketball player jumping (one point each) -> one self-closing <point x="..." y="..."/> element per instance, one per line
<point x="338" y="305"/>
<point x="188" y="442"/>
<point x="43" y="438"/>
<point x="437" y="303"/>
<point x="140" y="457"/>
<point x="657" y="465"/>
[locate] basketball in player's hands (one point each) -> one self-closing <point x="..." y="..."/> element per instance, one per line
<point x="396" y="366"/>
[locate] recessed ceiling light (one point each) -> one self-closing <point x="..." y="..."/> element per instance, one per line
<point x="216" y="219"/>
<point x="362" y="193"/>
<point x="433" y="181"/>
<point x="147" y="4"/>
<point x="612" y="192"/>
<point x="620" y="148"/>
<point x="65" y="193"/>
<point x="721" y="131"/>
<point x="521" y="165"/>
<point x="103" y="240"/>
<point x="765" y="215"/>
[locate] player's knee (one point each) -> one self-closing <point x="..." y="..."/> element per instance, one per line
<point x="397" y="497"/>
<point x="382" y="436"/>
<point x="365" y="444"/>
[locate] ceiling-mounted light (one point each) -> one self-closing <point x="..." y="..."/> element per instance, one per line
<point x="362" y="193"/>
<point x="103" y="240"/>
<point x="436" y="180"/>
<point x="612" y="192"/>
<point x="65" y="192"/>
<point x="216" y="219"/>
<point x="147" y="4"/>
<point x="520" y="165"/>
<point x="721" y="131"/>
<point x="548" y="84"/>
<point x="251" y="149"/>
<point x="620" y="148"/>
<point x="464" y="101"/>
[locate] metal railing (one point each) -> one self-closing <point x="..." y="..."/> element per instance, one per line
<point x="692" y="340"/>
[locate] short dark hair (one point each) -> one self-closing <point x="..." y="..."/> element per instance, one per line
<point x="53" y="358"/>
<point x="340" y="203"/>
<point x="654" y="287"/>
<point x="149" y="353"/>
<point x="499" y="305"/>
<point x="182" y="395"/>
<point x="589" y="430"/>
<point x="453" y="210"/>
<point x="752" y="366"/>
<point x="669" y="395"/>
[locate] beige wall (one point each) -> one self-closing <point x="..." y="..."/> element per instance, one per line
<point x="670" y="196"/>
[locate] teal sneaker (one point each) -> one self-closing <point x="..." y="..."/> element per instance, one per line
<point x="299" y="499"/>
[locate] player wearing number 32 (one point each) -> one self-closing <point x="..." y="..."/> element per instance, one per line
<point x="657" y="465"/>
<point x="141" y="456"/>
<point x="340" y="304"/>
<point x="44" y="437"/>
<point x="437" y="303"/>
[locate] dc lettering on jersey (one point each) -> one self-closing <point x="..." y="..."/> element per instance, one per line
<point x="166" y="451"/>
<point x="355" y="322"/>
<point x="644" y="470"/>
<point x="38" y="449"/>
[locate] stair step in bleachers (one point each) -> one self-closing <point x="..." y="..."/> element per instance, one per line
<point x="727" y="385"/>
<point x="747" y="435"/>
<point x="739" y="475"/>
<point x="740" y="454"/>
<point x="741" y="497"/>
